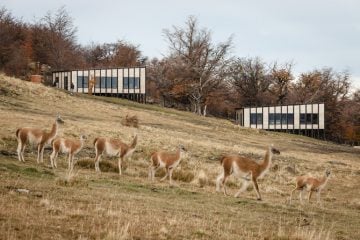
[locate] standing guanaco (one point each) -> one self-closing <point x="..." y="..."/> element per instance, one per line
<point x="245" y="168"/>
<point x="310" y="184"/>
<point x="36" y="136"/>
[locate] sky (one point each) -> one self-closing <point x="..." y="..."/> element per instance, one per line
<point x="310" y="34"/>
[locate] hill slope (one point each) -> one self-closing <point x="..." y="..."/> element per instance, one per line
<point x="106" y="206"/>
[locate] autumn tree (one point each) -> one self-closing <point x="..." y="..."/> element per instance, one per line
<point x="201" y="63"/>
<point x="14" y="54"/>
<point x="329" y="87"/>
<point x="281" y="79"/>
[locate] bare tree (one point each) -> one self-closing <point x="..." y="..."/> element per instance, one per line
<point x="54" y="40"/>
<point x="202" y="63"/>
<point x="251" y="80"/>
<point x="120" y="53"/>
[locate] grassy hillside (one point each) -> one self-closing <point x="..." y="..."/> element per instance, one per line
<point x="88" y="205"/>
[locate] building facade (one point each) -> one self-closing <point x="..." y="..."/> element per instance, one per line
<point x="116" y="82"/>
<point x="306" y="119"/>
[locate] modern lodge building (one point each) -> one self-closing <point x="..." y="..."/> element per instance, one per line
<point x="306" y="119"/>
<point x="116" y="82"/>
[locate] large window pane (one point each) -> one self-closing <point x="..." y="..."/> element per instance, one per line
<point x="86" y="81"/>
<point x="271" y="118"/>
<point x="97" y="82"/>
<point x="103" y="82"/>
<point x="131" y="82"/>
<point x="309" y="118"/>
<point x="108" y="82"/>
<point x="253" y="118"/>
<point x="125" y="82"/>
<point x="315" y="118"/>
<point x="114" y="82"/>
<point x="302" y="118"/>
<point x="256" y="118"/>
<point x="79" y="81"/>
<point x="290" y="118"/>
<point x="278" y="118"/>
<point x="137" y="83"/>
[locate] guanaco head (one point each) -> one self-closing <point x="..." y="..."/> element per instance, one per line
<point x="83" y="137"/>
<point x="59" y="120"/>
<point x="327" y="172"/>
<point x="182" y="148"/>
<point x="274" y="150"/>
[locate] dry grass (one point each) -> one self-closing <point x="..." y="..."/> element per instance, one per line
<point x="87" y="205"/>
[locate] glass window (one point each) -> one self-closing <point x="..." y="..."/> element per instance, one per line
<point x="302" y="118"/>
<point x="137" y="83"/>
<point x="290" y="118"/>
<point x="125" y="82"/>
<point x="86" y="81"/>
<point x="309" y="118"/>
<point x="79" y="81"/>
<point x="97" y="82"/>
<point x="82" y="81"/>
<point x="103" y="82"/>
<point x="108" y="82"/>
<point x="284" y="119"/>
<point x="252" y="118"/>
<point x="131" y="82"/>
<point x="315" y="118"/>
<point x="114" y="82"/>
<point x="256" y="118"/>
<point x="272" y="118"/>
<point x="277" y="118"/>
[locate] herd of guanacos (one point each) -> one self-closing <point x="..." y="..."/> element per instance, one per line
<point x="244" y="168"/>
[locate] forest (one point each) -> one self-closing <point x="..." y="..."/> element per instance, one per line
<point x="196" y="74"/>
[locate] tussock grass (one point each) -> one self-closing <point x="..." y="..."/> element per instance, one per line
<point x="105" y="165"/>
<point x="86" y="205"/>
<point x="130" y="121"/>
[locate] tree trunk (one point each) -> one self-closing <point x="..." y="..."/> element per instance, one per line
<point x="204" y="111"/>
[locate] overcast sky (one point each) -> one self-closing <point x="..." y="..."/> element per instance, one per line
<point x="311" y="34"/>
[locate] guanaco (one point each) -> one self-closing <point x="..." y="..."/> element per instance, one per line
<point x="36" y="136"/>
<point x="113" y="147"/>
<point x="69" y="146"/>
<point x="310" y="184"/>
<point x="245" y="168"/>
<point x="167" y="160"/>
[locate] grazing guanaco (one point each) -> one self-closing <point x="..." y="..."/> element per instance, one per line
<point x="69" y="146"/>
<point x="245" y="168"/>
<point x="113" y="147"/>
<point x="167" y="160"/>
<point x="36" y="136"/>
<point x="310" y="184"/>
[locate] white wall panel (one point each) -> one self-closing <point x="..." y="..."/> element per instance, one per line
<point x="246" y="117"/>
<point x="321" y="116"/>
<point x="265" y="118"/>
<point x="143" y="78"/>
